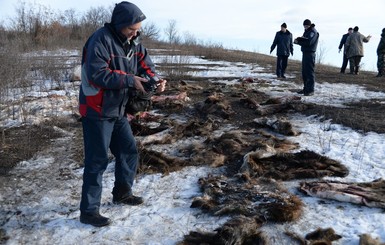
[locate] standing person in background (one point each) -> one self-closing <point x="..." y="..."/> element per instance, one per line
<point x="308" y="43"/>
<point x="380" y="55"/>
<point x="113" y="64"/>
<point x="355" y="49"/>
<point x="342" y="44"/>
<point x="284" y="42"/>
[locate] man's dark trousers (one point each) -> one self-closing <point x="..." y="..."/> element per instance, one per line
<point x="281" y="65"/>
<point x="344" y="63"/>
<point x="99" y="136"/>
<point x="308" y="63"/>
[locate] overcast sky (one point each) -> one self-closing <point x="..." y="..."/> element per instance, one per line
<point x="251" y="24"/>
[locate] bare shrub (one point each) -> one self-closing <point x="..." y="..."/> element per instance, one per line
<point x="150" y="31"/>
<point x="172" y="35"/>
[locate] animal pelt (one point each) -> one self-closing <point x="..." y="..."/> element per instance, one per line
<point x="237" y="231"/>
<point x="276" y="105"/>
<point x="215" y="105"/>
<point x="317" y="237"/>
<point x="371" y="194"/>
<point x="322" y="236"/>
<point x="263" y="198"/>
<point x="195" y="127"/>
<point x="142" y="129"/>
<point x="366" y="239"/>
<point x="279" y="125"/>
<point x="156" y="162"/>
<point x="186" y="86"/>
<point x="282" y="100"/>
<point x="289" y="166"/>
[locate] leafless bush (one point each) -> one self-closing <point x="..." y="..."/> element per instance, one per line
<point x="171" y="32"/>
<point x="95" y="18"/>
<point x="321" y="53"/>
<point x="150" y="31"/>
<point x="13" y="72"/>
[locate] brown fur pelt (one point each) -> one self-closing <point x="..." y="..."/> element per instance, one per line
<point x="275" y="105"/>
<point x="317" y="237"/>
<point x="142" y="129"/>
<point x="156" y="162"/>
<point x="289" y="166"/>
<point x="322" y="236"/>
<point x="215" y="105"/>
<point x="236" y="143"/>
<point x="279" y="125"/>
<point x="238" y="230"/>
<point x="264" y="198"/>
<point x="371" y="194"/>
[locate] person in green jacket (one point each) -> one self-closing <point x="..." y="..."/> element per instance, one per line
<point x="380" y="55"/>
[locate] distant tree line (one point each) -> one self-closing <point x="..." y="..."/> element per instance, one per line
<point x="36" y="26"/>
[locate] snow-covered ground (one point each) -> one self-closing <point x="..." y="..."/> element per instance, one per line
<point x="52" y="217"/>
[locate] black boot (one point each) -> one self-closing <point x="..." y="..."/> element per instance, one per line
<point x="357" y="70"/>
<point x="94" y="219"/>
<point x="379" y="74"/>
<point x="123" y="195"/>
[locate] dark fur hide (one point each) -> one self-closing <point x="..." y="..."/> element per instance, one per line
<point x="239" y="230"/>
<point x="215" y="105"/>
<point x="281" y="126"/>
<point x="289" y="166"/>
<point x="262" y="198"/>
<point x="317" y="237"/>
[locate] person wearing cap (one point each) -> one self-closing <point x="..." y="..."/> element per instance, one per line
<point x="381" y="55"/>
<point x="114" y="63"/>
<point x="342" y="44"/>
<point x="308" y="43"/>
<point x="284" y="41"/>
<point x="355" y="49"/>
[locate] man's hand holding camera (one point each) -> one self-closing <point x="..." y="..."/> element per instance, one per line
<point x="159" y="87"/>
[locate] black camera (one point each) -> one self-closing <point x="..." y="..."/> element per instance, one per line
<point x="151" y="85"/>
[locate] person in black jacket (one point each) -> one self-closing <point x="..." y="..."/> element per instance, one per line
<point x="114" y="65"/>
<point x="284" y="42"/>
<point x="381" y="55"/>
<point x="308" y="43"/>
<point x="342" y="44"/>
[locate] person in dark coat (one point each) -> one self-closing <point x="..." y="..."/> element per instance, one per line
<point x="342" y="44"/>
<point x="355" y="49"/>
<point x="284" y="42"/>
<point x="114" y="64"/>
<point x="381" y="55"/>
<point x="308" y="43"/>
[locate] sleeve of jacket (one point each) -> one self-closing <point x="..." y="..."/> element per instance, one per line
<point x="291" y="44"/>
<point x="274" y="43"/>
<point x="342" y="42"/>
<point x="146" y="67"/>
<point x="98" y="72"/>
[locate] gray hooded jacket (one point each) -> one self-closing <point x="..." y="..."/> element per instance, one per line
<point x="109" y="64"/>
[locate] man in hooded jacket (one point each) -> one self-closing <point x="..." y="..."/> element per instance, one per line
<point x="284" y="41"/>
<point x="308" y="43"/>
<point x="114" y="65"/>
